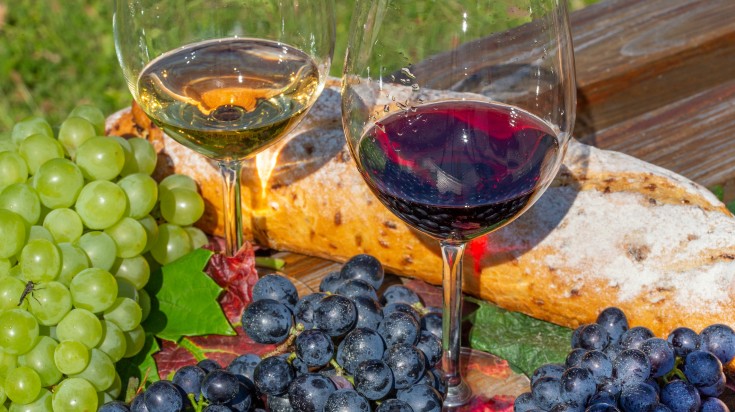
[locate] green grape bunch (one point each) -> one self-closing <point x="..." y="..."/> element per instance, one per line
<point x="82" y="223"/>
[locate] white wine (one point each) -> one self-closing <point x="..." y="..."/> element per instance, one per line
<point x="229" y="98"/>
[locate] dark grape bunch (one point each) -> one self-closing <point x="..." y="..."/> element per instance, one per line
<point x="613" y="367"/>
<point x="343" y="349"/>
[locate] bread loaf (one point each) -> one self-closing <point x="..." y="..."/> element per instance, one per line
<point x="611" y="230"/>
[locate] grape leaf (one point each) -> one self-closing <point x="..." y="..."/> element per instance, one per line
<point x="237" y="276"/>
<point x="184" y="300"/>
<point x="526" y="343"/>
<point x="141" y="368"/>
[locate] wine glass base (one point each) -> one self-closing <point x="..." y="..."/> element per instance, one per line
<point x="487" y="380"/>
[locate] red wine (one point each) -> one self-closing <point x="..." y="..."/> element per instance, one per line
<point x="458" y="169"/>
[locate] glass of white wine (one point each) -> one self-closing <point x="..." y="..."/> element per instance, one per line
<point x="225" y="78"/>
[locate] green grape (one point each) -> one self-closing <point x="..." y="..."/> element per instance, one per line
<point x="13" y="169"/>
<point x="40" y="232"/>
<point x="22" y="385"/>
<point x="144" y="157"/>
<point x="37" y="149"/>
<point x="74" y="131"/>
<point x="5" y="265"/>
<point x="100" y="248"/>
<point x="129" y="236"/>
<point x="93" y="289"/>
<point x="42" y="403"/>
<point x="142" y="193"/>
<point x="113" y="341"/>
<point x="100" y="370"/>
<point x="101" y="204"/>
<point x="151" y="231"/>
<point x="93" y="115"/>
<point x="73" y="261"/>
<point x="3" y="396"/>
<point x="71" y="357"/>
<point x="80" y="325"/>
<point x="11" y="289"/>
<point x="173" y="242"/>
<point x="74" y="395"/>
<point x="115" y="389"/>
<point x="134" y="341"/>
<point x="125" y="313"/>
<point x="181" y="206"/>
<point x="40" y="260"/>
<point x="12" y="232"/>
<point x="175" y="181"/>
<point x="125" y="289"/>
<point x="6" y="143"/>
<point x="64" y="224"/>
<point x="144" y="301"/>
<point x="30" y="126"/>
<point x="197" y="236"/>
<point x="23" y="200"/>
<point x="18" y="331"/>
<point x="135" y="270"/>
<point x="41" y="360"/>
<point x="49" y="303"/>
<point x="100" y="158"/>
<point x="127" y="152"/>
<point x="58" y="183"/>
<point x="8" y="362"/>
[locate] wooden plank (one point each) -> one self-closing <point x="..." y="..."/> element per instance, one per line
<point x="635" y="56"/>
<point x="692" y="136"/>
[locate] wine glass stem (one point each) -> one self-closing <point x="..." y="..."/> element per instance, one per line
<point x="457" y="391"/>
<point x="230" y="171"/>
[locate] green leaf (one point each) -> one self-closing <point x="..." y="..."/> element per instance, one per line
<point x="718" y="191"/>
<point x="185" y="300"/>
<point x="731" y="206"/>
<point x="140" y="369"/>
<point x="526" y="343"/>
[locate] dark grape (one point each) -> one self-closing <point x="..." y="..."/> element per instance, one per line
<point x="550" y="369"/>
<point x="309" y="392"/>
<point x="702" y="369"/>
<point x="359" y="345"/>
<point x="273" y="375"/>
<point x="661" y="354"/>
<point x="138" y="403"/>
<point x="244" y="365"/>
<point x="366" y="268"/>
<point x="566" y="407"/>
<point x="267" y="321"/>
<point x="279" y="404"/>
<point x="220" y="386"/>
<point x="401" y="307"/>
<point x="634" y="337"/>
<point x="346" y="400"/>
<point x="399" y="293"/>
<point x="593" y="337"/>
<point x="189" y="378"/>
<point x="276" y="287"/>
<point x="680" y="396"/>
<point x="335" y="315"/>
<point x="714" y="405"/>
<point x="614" y="322"/>
<point x="575" y="336"/>
<point x="163" y="396"/>
<point x="394" y="405"/>
<point x="597" y="363"/>
<point x="331" y="282"/>
<point x="373" y="379"/>
<point x="432" y="322"/>
<point x="216" y="408"/>
<point x="304" y="310"/>
<point x="431" y="346"/>
<point x="356" y="287"/>
<point x="546" y="392"/>
<point x="716" y="389"/>
<point x="243" y="399"/>
<point x="720" y="340"/>
<point x="684" y="340"/>
<point x="574" y="357"/>
<point x="602" y="397"/>
<point x="406" y="362"/>
<point x="114" y="406"/>
<point x="314" y="347"/>
<point x="399" y="327"/>
<point x="208" y="365"/>
<point x="632" y="366"/>
<point x="637" y="397"/>
<point x="524" y="403"/>
<point x="421" y="398"/>
<point x="577" y="386"/>
<point x="602" y="407"/>
<point x="369" y="312"/>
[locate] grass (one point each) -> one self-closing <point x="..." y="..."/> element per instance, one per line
<point x="61" y="53"/>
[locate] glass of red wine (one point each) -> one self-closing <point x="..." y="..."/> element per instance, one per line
<point x="458" y="114"/>
<point x="225" y="78"/>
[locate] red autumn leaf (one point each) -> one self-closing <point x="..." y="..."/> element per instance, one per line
<point x="499" y="403"/>
<point x="431" y="295"/>
<point x="237" y="276"/>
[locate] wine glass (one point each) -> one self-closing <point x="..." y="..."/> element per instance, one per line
<point x="457" y="114"/>
<point x="225" y="78"/>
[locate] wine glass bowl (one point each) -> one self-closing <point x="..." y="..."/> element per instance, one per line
<point x="458" y="114"/>
<point x="225" y="78"/>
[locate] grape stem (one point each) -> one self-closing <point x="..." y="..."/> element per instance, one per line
<point x="269" y="262"/>
<point x="284" y="347"/>
<point x="338" y="369"/>
<point x="198" y="405"/>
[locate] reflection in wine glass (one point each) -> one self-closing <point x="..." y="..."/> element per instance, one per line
<point x="458" y="121"/>
<point x="225" y="78"/>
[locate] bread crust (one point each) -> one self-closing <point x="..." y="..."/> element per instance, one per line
<point x="612" y="230"/>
